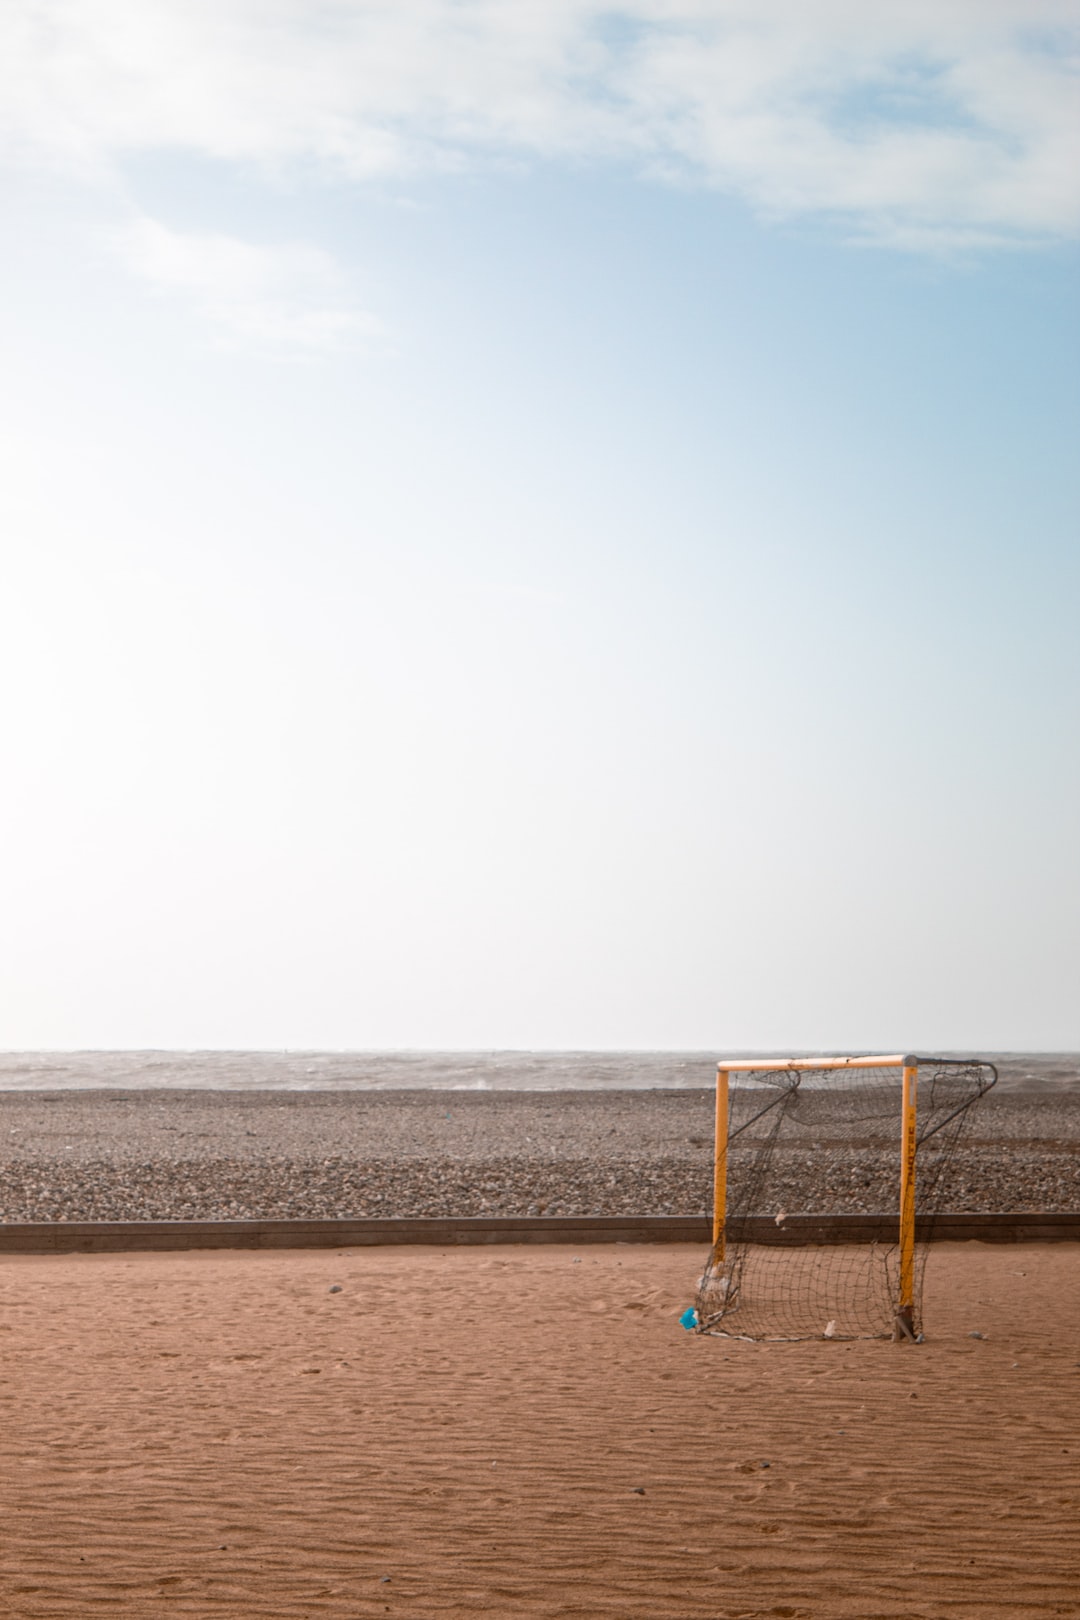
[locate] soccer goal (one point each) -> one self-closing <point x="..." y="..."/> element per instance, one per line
<point x="857" y="1135"/>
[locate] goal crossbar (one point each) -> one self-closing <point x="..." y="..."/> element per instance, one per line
<point x="813" y="1063"/>
<point x="893" y="1061"/>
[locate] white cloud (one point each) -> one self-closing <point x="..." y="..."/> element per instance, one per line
<point x="288" y="299"/>
<point x="911" y="121"/>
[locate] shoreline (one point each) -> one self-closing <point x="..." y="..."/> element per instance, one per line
<point x="390" y="1071"/>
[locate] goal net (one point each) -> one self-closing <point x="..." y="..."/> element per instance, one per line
<point x="843" y="1135"/>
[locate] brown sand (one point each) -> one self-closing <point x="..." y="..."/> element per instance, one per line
<point x="526" y="1432"/>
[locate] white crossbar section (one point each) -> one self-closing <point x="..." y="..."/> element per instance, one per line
<point x="892" y="1062"/>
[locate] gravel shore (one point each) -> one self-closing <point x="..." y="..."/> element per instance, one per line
<point x="229" y="1155"/>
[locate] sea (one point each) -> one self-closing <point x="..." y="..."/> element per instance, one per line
<point x="1037" y="1072"/>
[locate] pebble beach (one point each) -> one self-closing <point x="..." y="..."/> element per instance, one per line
<point x="119" y="1153"/>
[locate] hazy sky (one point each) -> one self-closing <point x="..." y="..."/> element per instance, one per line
<point x="537" y="523"/>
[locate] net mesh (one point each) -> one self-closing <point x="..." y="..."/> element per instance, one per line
<point x="828" y="1141"/>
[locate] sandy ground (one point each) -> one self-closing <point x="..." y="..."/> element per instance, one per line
<point x="523" y="1432"/>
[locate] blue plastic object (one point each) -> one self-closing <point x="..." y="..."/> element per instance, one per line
<point x="688" y="1319"/>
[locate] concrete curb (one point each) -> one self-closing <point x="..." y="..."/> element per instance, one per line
<point x="102" y="1237"/>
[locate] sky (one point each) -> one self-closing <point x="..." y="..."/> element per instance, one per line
<point x="539" y="525"/>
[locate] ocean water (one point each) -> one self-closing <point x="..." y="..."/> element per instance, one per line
<point x="426" y="1071"/>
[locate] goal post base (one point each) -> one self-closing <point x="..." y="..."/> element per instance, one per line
<point x="904" y="1327"/>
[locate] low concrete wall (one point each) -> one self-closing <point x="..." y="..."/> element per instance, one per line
<point x="1008" y="1228"/>
<point x="98" y="1237"/>
<point x="54" y="1237"/>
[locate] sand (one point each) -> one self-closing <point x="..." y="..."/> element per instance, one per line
<point x="527" y="1433"/>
